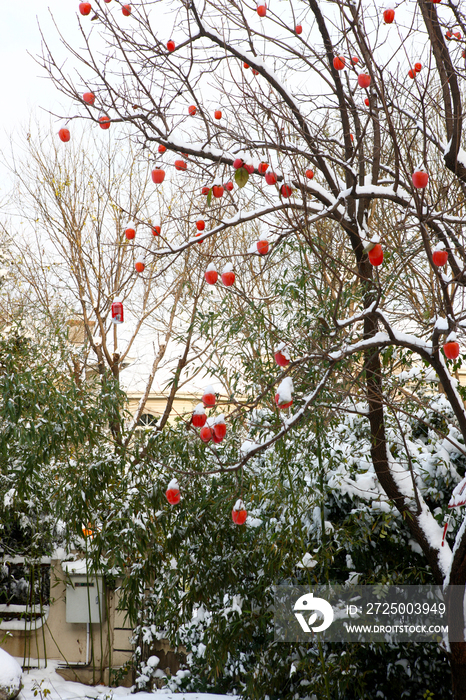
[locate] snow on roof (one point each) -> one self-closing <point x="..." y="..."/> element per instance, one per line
<point x="78" y="567"/>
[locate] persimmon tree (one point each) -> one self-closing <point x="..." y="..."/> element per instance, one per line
<point x="358" y="115"/>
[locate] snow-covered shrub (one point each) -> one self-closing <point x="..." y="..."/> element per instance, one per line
<point x="10" y="676"/>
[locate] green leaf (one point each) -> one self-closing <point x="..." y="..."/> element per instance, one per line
<point x="209" y="197"/>
<point x="241" y="177"/>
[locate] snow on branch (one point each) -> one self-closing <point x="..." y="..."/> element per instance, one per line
<point x="433" y="532"/>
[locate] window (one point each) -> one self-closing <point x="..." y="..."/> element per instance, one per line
<point x="147" y="420"/>
<point x="24" y="593"/>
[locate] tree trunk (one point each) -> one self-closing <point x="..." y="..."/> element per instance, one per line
<point x="458" y="669"/>
<point x="455" y="594"/>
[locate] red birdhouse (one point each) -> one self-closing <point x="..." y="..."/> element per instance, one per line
<point x="117" y="311"/>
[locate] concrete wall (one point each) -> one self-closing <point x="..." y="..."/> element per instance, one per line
<point x="183" y="404"/>
<point x="87" y="656"/>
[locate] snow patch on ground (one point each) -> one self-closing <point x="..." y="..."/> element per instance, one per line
<point x="66" y="690"/>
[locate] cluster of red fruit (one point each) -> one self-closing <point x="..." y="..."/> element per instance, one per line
<point x="130" y="231"/>
<point x="218" y="190"/>
<point x="254" y="71"/>
<point x="217" y="429"/>
<point x="192" y="109"/>
<point x="420" y="179"/>
<point x="85" y="8"/>
<point x="414" y="71"/>
<point x="364" y="79"/>
<point x="439" y="258"/>
<point x="158" y="175"/>
<point x="270" y="178"/>
<point x="104" y="119"/>
<point x="228" y="276"/>
<point x="339" y="62"/>
<point x="238" y="514"/>
<point x="262" y="11"/>
<point x="452" y="35"/>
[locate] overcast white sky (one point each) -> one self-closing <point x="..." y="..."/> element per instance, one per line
<point x="24" y="85"/>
